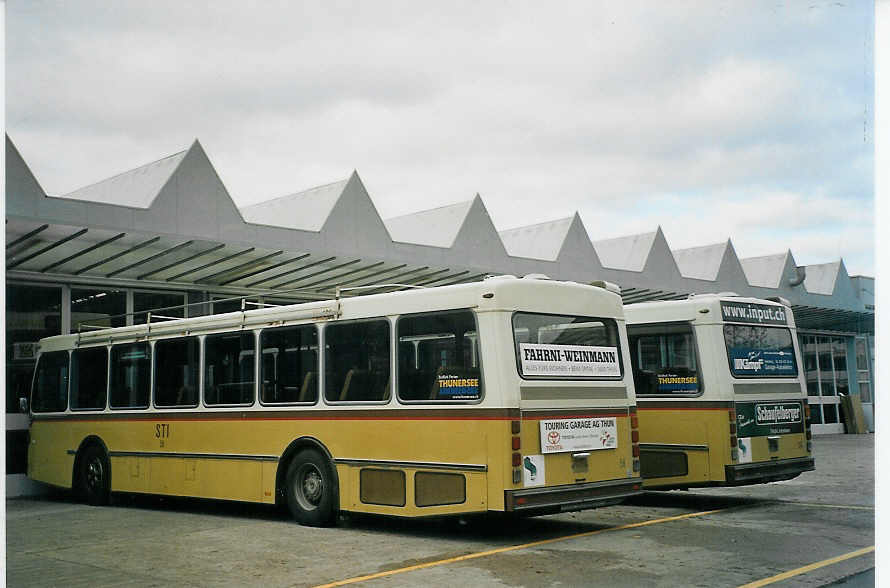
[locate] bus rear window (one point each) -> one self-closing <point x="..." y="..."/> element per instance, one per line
<point x="760" y="352"/>
<point x="553" y="346"/>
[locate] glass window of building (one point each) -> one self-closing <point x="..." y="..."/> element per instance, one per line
<point x="159" y="303"/>
<point x="826" y="379"/>
<point x="224" y="304"/>
<point x="32" y="313"/>
<point x="811" y="374"/>
<point x="862" y="371"/>
<point x="98" y="308"/>
<point x="825" y="372"/>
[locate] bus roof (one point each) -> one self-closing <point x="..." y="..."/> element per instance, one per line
<point x="716" y="308"/>
<point x="495" y="293"/>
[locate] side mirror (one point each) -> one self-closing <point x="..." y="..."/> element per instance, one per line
<point x="23" y="405"/>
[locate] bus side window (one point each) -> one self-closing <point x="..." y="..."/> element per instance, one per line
<point x="130" y="375"/>
<point x="442" y="357"/>
<point x="663" y="359"/>
<point x="89" y="378"/>
<point x="292" y="377"/>
<point x="228" y="368"/>
<point x="51" y="383"/>
<point x="176" y="372"/>
<point x="357" y="361"/>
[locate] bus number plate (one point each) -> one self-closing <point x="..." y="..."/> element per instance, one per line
<point x="582" y="434"/>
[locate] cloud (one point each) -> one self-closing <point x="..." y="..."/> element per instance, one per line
<point x="608" y="108"/>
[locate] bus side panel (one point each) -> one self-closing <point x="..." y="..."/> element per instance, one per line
<point x="682" y="446"/>
<point x="48" y="458"/>
<point x="448" y="443"/>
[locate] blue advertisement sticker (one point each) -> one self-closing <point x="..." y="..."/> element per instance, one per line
<point x="746" y="361"/>
<point x="677" y="383"/>
<point x="454" y="387"/>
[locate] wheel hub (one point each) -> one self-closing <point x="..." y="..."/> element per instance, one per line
<point x="94" y="474"/>
<point x="312" y="486"/>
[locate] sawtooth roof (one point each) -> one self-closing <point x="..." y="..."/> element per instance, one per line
<point x="172" y="220"/>
<point x="306" y="211"/>
<point x="136" y="188"/>
<point x="437" y="227"/>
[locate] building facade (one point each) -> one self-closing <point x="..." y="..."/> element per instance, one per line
<point x="168" y="238"/>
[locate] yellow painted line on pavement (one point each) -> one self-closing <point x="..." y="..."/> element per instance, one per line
<point x="819" y="505"/>
<point x="479" y="554"/>
<point x="809" y="568"/>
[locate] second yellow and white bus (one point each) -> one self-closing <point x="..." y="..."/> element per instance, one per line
<point x="502" y="395"/>
<point x="720" y="392"/>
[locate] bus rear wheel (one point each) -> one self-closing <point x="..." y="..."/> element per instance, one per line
<point x="94" y="476"/>
<point x="310" y="489"/>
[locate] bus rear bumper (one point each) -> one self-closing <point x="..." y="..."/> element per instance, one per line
<point x="768" y="471"/>
<point x="573" y="496"/>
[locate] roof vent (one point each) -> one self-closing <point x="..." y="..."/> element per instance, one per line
<point x="779" y="299"/>
<point x="713" y="295"/>
<point x="500" y="277"/>
<point x="614" y="288"/>
<point x="535" y="277"/>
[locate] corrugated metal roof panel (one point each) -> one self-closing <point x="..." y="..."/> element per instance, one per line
<point x="306" y="211"/>
<point x="540" y="241"/>
<point x="701" y="263"/>
<point x="136" y="188"/>
<point x="437" y="227"/>
<point x="626" y="253"/>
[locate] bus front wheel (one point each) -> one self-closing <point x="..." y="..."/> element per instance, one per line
<point x="310" y="489"/>
<point x="94" y="476"/>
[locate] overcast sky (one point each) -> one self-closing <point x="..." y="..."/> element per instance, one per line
<point x="743" y="120"/>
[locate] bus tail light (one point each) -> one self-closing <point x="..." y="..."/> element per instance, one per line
<point x="733" y="440"/>
<point x="514" y="427"/>
<point x="517" y="460"/>
<point x="516" y="444"/>
<point x="635" y="440"/>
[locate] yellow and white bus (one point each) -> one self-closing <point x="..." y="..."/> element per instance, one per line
<point x="720" y="393"/>
<point x="507" y="394"/>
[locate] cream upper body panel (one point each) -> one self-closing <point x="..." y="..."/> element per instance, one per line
<point x="707" y="314"/>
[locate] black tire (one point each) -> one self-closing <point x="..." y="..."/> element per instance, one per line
<point x="94" y="476"/>
<point x="311" y="489"/>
